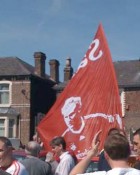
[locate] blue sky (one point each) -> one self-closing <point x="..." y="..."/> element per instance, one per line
<point x="65" y="28"/>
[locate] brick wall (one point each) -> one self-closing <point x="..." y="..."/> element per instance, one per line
<point x="132" y="115"/>
<point x="21" y="102"/>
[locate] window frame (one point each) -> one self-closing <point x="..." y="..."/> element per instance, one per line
<point x="123" y="102"/>
<point x="10" y="88"/>
<point x="6" y="125"/>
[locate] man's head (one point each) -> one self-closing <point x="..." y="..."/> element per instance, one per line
<point x="70" y="111"/>
<point x="32" y="148"/>
<point x="136" y="141"/>
<point x="117" y="147"/>
<point x="58" y="145"/>
<point x="5" y="151"/>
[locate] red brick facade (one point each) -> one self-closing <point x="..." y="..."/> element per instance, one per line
<point x="21" y="94"/>
<point x="132" y="112"/>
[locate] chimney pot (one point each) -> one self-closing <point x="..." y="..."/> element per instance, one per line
<point x="68" y="62"/>
<point x="40" y="64"/>
<point x="54" y="69"/>
<point x="68" y="70"/>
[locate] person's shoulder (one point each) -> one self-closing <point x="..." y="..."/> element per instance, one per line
<point x="69" y="157"/>
<point x="124" y="171"/>
<point x="18" y="164"/>
<point x="20" y="168"/>
<point x="95" y="173"/>
<point x="44" y="164"/>
<point x="41" y="161"/>
<point x="133" y="171"/>
<point x="65" y="155"/>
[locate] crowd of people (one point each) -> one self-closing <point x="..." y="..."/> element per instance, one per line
<point x="116" y="152"/>
<point x="113" y="159"/>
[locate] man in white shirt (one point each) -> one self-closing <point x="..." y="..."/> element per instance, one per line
<point x="117" y="151"/>
<point x="67" y="162"/>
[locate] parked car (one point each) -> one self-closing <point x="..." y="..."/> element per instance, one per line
<point x="16" y="143"/>
<point x="20" y="154"/>
<point x="93" y="166"/>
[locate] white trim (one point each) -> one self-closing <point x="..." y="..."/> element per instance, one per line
<point x="4" y="118"/>
<point x="21" y="105"/>
<point x="10" y="93"/>
<point x="24" y="120"/>
<point x="6" y="126"/>
<point x="123" y="102"/>
<point x="21" y="82"/>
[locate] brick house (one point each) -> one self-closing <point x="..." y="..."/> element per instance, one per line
<point x="128" y="76"/>
<point x="26" y="94"/>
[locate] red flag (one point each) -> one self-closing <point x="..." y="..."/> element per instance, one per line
<point x="89" y="102"/>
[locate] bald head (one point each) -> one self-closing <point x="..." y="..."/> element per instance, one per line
<point x="32" y="148"/>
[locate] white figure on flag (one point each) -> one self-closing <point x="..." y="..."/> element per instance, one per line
<point x="75" y="122"/>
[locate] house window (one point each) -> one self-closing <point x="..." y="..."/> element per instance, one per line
<point x="8" y="126"/>
<point x="11" y="127"/>
<point x="2" y="127"/>
<point x="5" y="93"/>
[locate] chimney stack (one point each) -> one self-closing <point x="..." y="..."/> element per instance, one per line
<point x="54" y="70"/>
<point x="40" y="64"/>
<point x="68" y="70"/>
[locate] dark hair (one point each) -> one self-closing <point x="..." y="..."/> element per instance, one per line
<point x="137" y="132"/>
<point x="6" y="141"/>
<point x="117" y="147"/>
<point x="58" y="141"/>
<point x="113" y="131"/>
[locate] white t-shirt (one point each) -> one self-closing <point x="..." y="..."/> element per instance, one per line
<point x="17" y="169"/>
<point x="66" y="164"/>
<point x="116" y="171"/>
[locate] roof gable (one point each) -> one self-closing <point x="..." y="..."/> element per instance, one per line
<point x="128" y="72"/>
<point x="14" y="66"/>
